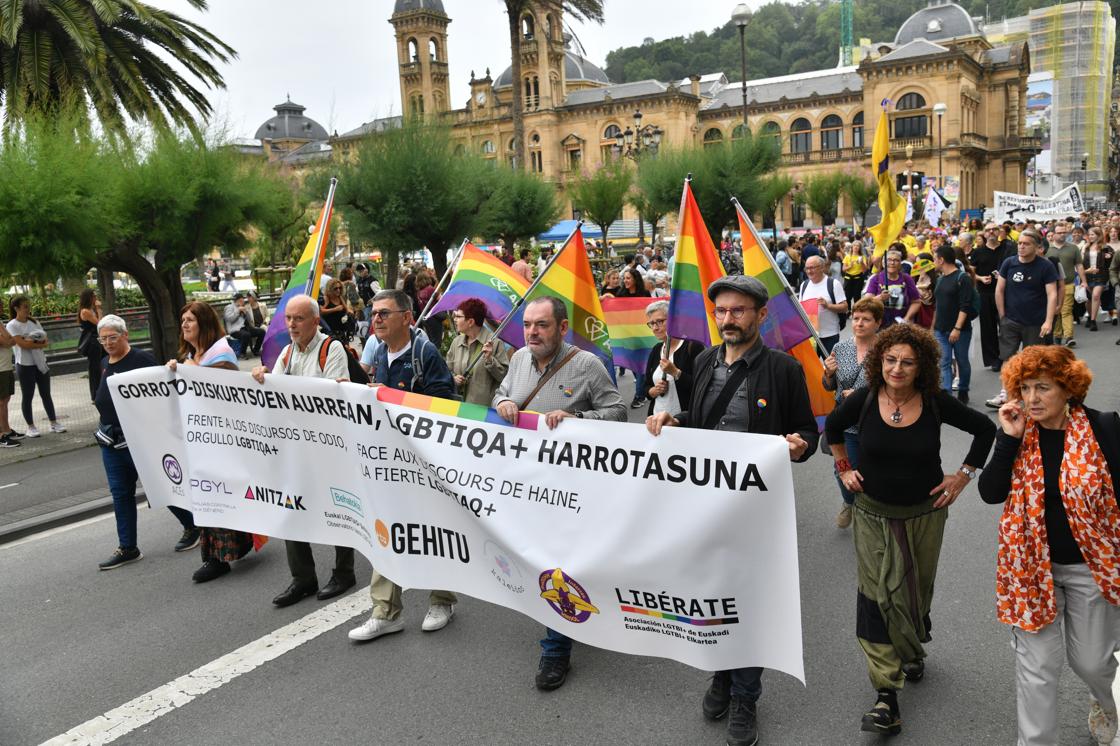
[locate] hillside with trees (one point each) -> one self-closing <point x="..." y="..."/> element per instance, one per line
<point x="783" y="39"/>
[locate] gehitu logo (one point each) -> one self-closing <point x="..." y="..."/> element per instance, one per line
<point x="432" y="541"/>
<point x="275" y="497"/>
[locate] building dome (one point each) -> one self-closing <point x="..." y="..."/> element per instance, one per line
<point x="407" y="6"/>
<point x="290" y="124"/>
<point x="576" y="69"/>
<point x="939" y="20"/>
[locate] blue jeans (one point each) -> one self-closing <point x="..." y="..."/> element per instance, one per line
<point x="555" y="644"/>
<point x="121" y="473"/>
<point x="746" y="682"/>
<point x="851" y="443"/>
<point x="958" y="351"/>
<point x="641" y="388"/>
<point x="829" y="343"/>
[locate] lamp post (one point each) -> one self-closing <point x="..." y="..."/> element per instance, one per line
<point x="634" y="144"/>
<point x="1084" y="168"/>
<point x="740" y="16"/>
<point x="939" y="109"/>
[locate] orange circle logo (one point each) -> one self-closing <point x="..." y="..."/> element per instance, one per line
<point x="382" y="532"/>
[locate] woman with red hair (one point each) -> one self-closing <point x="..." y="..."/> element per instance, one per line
<point x="1058" y="565"/>
<point x="477" y="350"/>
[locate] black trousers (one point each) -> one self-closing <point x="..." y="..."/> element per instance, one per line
<point x="301" y="562"/>
<point x="989" y="329"/>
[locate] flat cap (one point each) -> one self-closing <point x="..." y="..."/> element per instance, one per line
<point x="749" y="286"/>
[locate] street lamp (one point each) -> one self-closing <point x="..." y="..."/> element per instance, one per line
<point x="1084" y="167"/>
<point x="635" y="143"/>
<point x="939" y="109"/>
<point x="740" y="16"/>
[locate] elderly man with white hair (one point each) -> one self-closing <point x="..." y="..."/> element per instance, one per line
<point x="830" y="298"/>
<point x="121" y="357"/>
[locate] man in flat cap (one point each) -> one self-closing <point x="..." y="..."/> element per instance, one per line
<point x="742" y="385"/>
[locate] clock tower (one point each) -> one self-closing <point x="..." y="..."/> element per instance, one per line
<point x="421" y="31"/>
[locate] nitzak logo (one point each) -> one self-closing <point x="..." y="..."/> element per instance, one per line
<point x="347" y="500"/>
<point x="275" y="497"/>
<point x="172" y="469"/>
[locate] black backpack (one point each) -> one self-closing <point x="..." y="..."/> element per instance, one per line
<point x="843" y="316"/>
<point x="353" y="366"/>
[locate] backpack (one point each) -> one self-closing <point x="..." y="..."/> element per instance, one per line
<point x="843" y="316"/>
<point x="973" y="308"/>
<point x="353" y="365"/>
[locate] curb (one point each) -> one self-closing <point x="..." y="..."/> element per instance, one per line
<point x="61" y="517"/>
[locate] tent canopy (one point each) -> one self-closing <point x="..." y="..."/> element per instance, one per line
<point x="564" y="228"/>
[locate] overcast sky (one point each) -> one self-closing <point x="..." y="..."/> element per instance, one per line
<point x="338" y="57"/>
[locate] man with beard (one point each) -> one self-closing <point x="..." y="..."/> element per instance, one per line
<point x="551" y="376"/>
<point x="744" y="386"/>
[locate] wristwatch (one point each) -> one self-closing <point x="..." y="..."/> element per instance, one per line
<point x="970" y="473"/>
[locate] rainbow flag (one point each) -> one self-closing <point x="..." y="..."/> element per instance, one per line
<point x="472" y="412"/>
<point x="788" y="325"/>
<point x="631" y="339"/>
<point x="696" y="265"/>
<point x="305" y="281"/>
<point x="481" y="275"/>
<point x="568" y="277"/>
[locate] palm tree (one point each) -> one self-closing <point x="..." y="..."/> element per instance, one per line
<point x="111" y="55"/>
<point x="583" y="10"/>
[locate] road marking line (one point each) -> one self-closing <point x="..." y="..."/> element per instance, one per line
<point x="6" y="486"/>
<point x="54" y="531"/>
<point x="174" y="694"/>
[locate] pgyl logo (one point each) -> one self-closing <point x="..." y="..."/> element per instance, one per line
<point x="347" y="500"/>
<point x="172" y="469"/>
<point x="566" y="596"/>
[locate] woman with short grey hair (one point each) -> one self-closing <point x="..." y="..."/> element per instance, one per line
<point x="668" y="375"/>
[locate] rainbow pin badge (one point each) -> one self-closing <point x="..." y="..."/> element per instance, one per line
<point x="567" y="391"/>
<point x="761" y="403"/>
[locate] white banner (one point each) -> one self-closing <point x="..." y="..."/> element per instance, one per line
<point x="1064" y="204"/>
<point x="681" y="546"/>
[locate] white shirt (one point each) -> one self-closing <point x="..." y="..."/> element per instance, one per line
<point x="399" y="353"/>
<point x="306" y="362"/>
<point x="828" y="321"/>
<point x="24" y="329"/>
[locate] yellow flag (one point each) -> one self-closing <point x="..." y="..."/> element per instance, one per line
<point x="891" y="204"/>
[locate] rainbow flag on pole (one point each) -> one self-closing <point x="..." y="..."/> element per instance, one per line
<point x="696" y="265"/>
<point x="568" y="277"/>
<point x="305" y="281"/>
<point x="787" y="326"/>
<point x="631" y="339"/>
<point x="482" y="275"/>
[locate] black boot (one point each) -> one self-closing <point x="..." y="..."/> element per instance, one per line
<point x="552" y="672"/>
<point x="884" y="717"/>
<point x="211" y="570"/>
<point x="742" y="726"/>
<point x="914" y="670"/>
<point x="718" y="697"/>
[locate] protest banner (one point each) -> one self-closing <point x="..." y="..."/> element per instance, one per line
<point x="1064" y="204"/>
<point x="681" y="546"/>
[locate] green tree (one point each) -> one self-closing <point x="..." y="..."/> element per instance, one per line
<point x="581" y="10"/>
<point x="519" y="207"/>
<point x="821" y="194"/>
<point x="405" y="190"/>
<point x="774" y="189"/>
<point x="863" y="192"/>
<point x="734" y="169"/>
<point x="659" y="182"/>
<point x="602" y="195"/>
<point x="121" y="58"/>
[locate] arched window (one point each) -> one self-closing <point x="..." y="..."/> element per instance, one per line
<point x="800" y="136"/>
<point x="550" y="27"/>
<point x="536" y="159"/>
<point x="737" y="133"/>
<point x="413" y="51"/>
<point x="771" y="129"/>
<point x="509" y="145"/>
<point x="433" y="49"/>
<point x="416" y="104"/>
<point x="832" y="133"/>
<point x="611" y="132"/>
<point x="532" y="96"/>
<point x="488" y="147"/>
<point x="857" y="130"/>
<point x="914" y="126"/>
<point x="527" y="26"/>
<point x="712" y="137"/>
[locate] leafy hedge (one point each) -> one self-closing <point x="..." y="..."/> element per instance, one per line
<point x="56" y="304"/>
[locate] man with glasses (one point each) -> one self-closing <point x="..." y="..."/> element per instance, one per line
<point x="742" y="385"/>
<point x="406" y="361"/>
<point x="121" y="357"/>
<point x="831" y="301"/>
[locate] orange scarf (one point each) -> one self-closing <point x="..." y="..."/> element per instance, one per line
<point x="1024" y="584"/>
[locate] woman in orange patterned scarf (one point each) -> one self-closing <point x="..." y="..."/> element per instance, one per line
<point x="1058" y="566"/>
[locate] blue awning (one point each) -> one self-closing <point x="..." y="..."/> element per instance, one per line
<point x="564" y="228"/>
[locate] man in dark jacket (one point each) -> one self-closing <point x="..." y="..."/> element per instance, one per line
<point x="406" y="361"/>
<point x="744" y="386"/>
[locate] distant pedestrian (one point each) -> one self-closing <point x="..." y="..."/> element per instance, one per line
<point x="31" y="364"/>
<point x="521" y="266"/>
<point x="830" y="300"/>
<point x="89" y="313"/>
<point x="9" y="438"/>
<point x="952" y="322"/>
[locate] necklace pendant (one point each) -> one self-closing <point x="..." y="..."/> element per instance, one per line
<point x="896" y="416"/>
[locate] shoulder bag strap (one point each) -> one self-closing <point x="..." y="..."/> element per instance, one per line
<point x="545" y="377"/>
<point x="725" y="394"/>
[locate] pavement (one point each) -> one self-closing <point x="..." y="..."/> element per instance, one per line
<point x="143" y="655"/>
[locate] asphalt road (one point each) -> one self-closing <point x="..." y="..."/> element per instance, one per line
<point x="76" y="643"/>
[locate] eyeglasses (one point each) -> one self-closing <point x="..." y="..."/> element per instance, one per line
<point x="898" y="362"/>
<point x="655" y="323"/>
<point x="736" y="313"/>
<point x="108" y="340"/>
<point x="458" y="316"/>
<point x="383" y="313"/>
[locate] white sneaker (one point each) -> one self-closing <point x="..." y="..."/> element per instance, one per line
<point x="1102" y="724"/>
<point x="375" y="628"/>
<point x="32" y="432"/>
<point x="437" y="617"/>
<point x="997" y="401"/>
<point x="956" y="383"/>
<point x="57" y="427"/>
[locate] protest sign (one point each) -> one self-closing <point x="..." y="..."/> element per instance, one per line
<point x="681" y="546"/>
<point x="1064" y="204"/>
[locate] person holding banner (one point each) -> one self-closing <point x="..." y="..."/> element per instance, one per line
<point x="901" y="503"/>
<point x="580" y="387"/>
<point x="475" y="346"/>
<point x="669" y="374"/>
<point x="120" y="471"/>
<point x="405" y="361"/>
<point x="742" y="385"/>
<point x="315" y="355"/>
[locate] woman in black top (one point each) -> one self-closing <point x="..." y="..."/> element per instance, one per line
<point x="985" y="260"/>
<point x="89" y="313"/>
<point x="633" y="285"/>
<point x="901" y="500"/>
<point x="668" y="380"/>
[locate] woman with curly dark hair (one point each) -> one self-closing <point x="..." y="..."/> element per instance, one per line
<point x="900" y="505"/>
<point x="1058" y="564"/>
